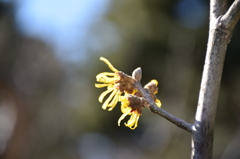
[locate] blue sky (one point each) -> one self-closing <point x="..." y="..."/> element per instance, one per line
<point x="64" y="24"/>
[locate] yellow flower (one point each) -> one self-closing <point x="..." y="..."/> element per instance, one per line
<point x="109" y="80"/>
<point x="132" y="105"/>
<point x="117" y="83"/>
<point x="152" y="88"/>
<point x="135" y="114"/>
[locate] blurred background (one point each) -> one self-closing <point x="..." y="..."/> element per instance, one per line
<point x="49" y="57"/>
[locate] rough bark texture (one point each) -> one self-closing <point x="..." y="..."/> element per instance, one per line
<point x="220" y="31"/>
<point x="206" y="110"/>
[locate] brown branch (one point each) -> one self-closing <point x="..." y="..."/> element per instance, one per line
<point x="155" y="109"/>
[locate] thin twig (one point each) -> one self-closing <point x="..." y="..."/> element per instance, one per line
<point x="155" y="109"/>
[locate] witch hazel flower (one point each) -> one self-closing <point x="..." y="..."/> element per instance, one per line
<point x="120" y="88"/>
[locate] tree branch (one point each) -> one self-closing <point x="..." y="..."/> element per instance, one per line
<point x="155" y="109"/>
<point x="230" y="19"/>
<point x="219" y="36"/>
<point x="217" y="8"/>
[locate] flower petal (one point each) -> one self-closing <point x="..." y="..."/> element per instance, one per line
<point x="106" y="103"/>
<point x="109" y="64"/>
<point x="114" y="100"/>
<point x="154" y="81"/>
<point x="105" y="79"/>
<point x="101" y="85"/>
<point x="124" y="104"/>
<point x="108" y="74"/>
<point x="122" y="117"/>
<point x="131" y="121"/>
<point x="100" y="99"/>
<point x="136" y="123"/>
<point x="158" y="103"/>
<point x="125" y="108"/>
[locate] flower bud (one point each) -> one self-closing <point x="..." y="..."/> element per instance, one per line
<point x="137" y="74"/>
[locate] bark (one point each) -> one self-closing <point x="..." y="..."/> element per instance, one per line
<point x="220" y="31"/>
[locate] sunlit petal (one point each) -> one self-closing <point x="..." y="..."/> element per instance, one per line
<point x="136" y="123"/>
<point x="100" y="99"/>
<point x="102" y="78"/>
<point x="125" y="108"/>
<point x="105" y="104"/>
<point x="114" y="101"/>
<point x="122" y="117"/>
<point x="108" y="74"/>
<point x="109" y="64"/>
<point x="124" y="105"/>
<point x="101" y="85"/>
<point x="132" y="120"/>
<point x="121" y="98"/>
<point x="154" y="81"/>
<point x="158" y="103"/>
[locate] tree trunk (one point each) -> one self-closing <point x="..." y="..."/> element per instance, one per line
<point x="220" y="30"/>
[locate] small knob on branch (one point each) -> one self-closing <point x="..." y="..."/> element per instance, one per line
<point x="137" y="74"/>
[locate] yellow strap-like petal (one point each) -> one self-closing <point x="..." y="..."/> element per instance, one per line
<point x="106" y="103"/>
<point x="158" y="103"/>
<point x="101" y="85"/>
<point x="154" y="81"/>
<point x="125" y="108"/>
<point x="124" y="104"/>
<point x="114" y="101"/>
<point x="122" y="117"/>
<point x="102" y="78"/>
<point x="121" y="98"/>
<point x="111" y="86"/>
<point x="108" y="74"/>
<point x="109" y="64"/>
<point x="136" y="123"/>
<point x="132" y="120"/>
<point x="100" y="99"/>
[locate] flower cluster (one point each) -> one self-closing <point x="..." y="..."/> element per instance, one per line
<point x="121" y="87"/>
